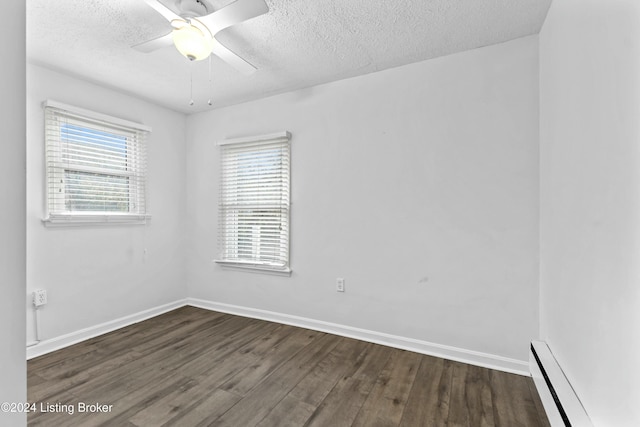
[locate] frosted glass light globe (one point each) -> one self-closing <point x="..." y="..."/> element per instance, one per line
<point x="192" y="42"/>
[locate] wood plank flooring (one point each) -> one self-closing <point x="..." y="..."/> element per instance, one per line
<point x="193" y="367"/>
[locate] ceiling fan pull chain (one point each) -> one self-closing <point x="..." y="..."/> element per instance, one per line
<point x="210" y="82"/>
<point x="191" y="84"/>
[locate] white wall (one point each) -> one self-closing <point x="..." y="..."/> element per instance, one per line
<point x="418" y="185"/>
<point x="13" y="383"/>
<point x="98" y="274"/>
<point x="590" y="201"/>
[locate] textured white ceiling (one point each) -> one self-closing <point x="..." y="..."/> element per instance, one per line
<point x="298" y="43"/>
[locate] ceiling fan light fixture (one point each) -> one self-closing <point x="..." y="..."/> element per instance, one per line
<point x="192" y="42"/>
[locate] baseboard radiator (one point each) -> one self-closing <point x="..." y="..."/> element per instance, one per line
<point x="560" y="401"/>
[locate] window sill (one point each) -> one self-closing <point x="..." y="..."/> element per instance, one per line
<point x="253" y="268"/>
<point x="74" y="220"/>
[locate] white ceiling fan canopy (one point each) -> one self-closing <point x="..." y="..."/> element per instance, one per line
<point x="192" y="8"/>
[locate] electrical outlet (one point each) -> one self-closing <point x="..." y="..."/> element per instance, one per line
<point x="39" y="297"/>
<point x="340" y="284"/>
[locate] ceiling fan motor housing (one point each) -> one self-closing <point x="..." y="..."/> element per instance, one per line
<point x="192" y="8"/>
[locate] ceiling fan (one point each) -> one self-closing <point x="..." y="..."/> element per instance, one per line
<point x="195" y="28"/>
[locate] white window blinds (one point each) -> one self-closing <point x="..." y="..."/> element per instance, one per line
<point x="96" y="166"/>
<point x="254" y="202"/>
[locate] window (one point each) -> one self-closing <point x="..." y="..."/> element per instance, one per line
<point x="95" y="167"/>
<point x="254" y="202"/>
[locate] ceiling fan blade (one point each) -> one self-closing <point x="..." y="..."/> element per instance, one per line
<point x="236" y="12"/>
<point x="232" y="59"/>
<point x="163" y="10"/>
<point x="153" y="44"/>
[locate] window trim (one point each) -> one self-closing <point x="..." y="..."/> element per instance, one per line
<point x="249" y="266"/>
<point x="253" y="268"/>
<point x="87" y="217"/>
<point x="95" y="115"/>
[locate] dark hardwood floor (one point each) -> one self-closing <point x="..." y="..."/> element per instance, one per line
<point x="193" y="367"/>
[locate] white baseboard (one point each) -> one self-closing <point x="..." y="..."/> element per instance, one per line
<point x="561" y="403"/>
<point x="53" y="344"/>
<point x="447" y="352"/>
